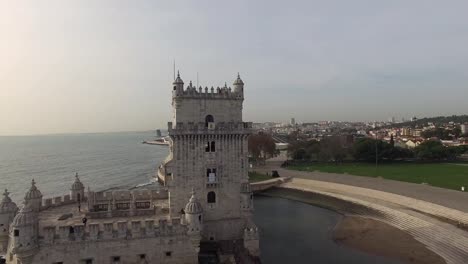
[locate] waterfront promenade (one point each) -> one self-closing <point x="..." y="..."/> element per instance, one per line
<point x="436" y="217"/>
<point x="449" y="198"/>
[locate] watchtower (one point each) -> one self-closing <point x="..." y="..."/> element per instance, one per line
<point x="208" y="154"/>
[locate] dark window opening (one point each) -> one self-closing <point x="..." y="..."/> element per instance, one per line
<point x="208" y="119"/>
<point x="207" y="147"/>
<point x="115" y="259"/>
<point x="71" y="230"/>
<point x="143" y="205"/>
<point x="211" y="197"/>
<point x="175" y="87"/>
<point x="100" y="207"/>
<point x="168" y="253"/>
<point x="16" y="233"/>
<point x="199" y="218"/>
<point x="142" y="256"/>
<point x="211" y="238"/>
<point x="88" y="261"/>
<point x="213" y="148"/>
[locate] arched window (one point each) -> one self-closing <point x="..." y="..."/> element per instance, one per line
<point x="208" y="171"/>
<point x="208" y="119"/>
<point x="213" y="148"/>
<point x="175" y="87"/>
<point x="211" y="197"/>
<point x="207" y="147"/>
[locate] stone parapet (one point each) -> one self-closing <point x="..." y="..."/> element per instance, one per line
<point x="58" y="201"/>
<point x="201" y="129"/>
<point x="209" y="93"/>
<point x="131" y="229"/>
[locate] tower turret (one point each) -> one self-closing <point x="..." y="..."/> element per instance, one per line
<point x="194" y="214"/>
<point x="8" y="210"/>
<point x="77" y="190"/>
<point x="33" y="197"/>
<point x="239" y="86"/>
<point x="178" y="85"/>
<point x="24" y="234"/>
<point x="194" y="219"/>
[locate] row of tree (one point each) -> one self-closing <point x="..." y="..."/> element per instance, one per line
<point x="369" y="150"/>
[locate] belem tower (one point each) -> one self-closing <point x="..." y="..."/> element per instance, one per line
<point x="203" y="208"/>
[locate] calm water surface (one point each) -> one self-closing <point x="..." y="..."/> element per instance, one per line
<point x="291" y="232"/>
<point x="104" y="160"/>
<point x="295" y="232"/>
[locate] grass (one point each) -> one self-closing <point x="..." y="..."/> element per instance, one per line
<point x="256" y="177"/>
<point x="443" y="175"/>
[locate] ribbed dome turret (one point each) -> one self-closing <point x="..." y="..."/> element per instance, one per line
<point x="7" y="205"/>
<point x="178" y="80"/>
<point x="193" y="206"/>
<point x="33" y="192"/>
<point x="26" y="216"/>
<point x="238" y="81"/>
<point x="77" y="185"/>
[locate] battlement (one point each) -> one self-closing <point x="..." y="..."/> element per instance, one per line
<point x="58" y="201"/>
<point x="132" y="229"/>
<point x="209" y="93"/>
<point x="181" y="128"/>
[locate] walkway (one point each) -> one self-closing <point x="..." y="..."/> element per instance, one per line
<point x="449" y="198"/>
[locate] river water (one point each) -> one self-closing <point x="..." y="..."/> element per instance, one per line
<point x="291" y="232"/>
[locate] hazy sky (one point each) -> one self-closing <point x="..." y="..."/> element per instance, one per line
<point x="88" y="66"/>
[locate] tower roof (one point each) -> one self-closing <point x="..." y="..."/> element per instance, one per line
<point x="193" y="206"/>
<point x="26" y="216"/>
<point x="238" y="80"/>
<point x="178" y="80"/>
<point x="77" y="185"/>
<point x="7" y="205"/>
<point x="33" y="192"/>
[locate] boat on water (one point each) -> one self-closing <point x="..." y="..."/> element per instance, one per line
<point x="158" y="141"/>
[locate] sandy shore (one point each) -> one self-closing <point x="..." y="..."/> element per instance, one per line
<point x="378" y="238"/>
<point x="365" y="234"/>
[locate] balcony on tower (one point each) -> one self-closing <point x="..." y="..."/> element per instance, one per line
<point x="211" y="178"/>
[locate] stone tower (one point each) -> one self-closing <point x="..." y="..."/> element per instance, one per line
<point x="8" y="210"/>
<point x="77" y="190"/>
<point x="24" y="234"/>
<point x="33" y="197"/>
<point x="209" y="154"/>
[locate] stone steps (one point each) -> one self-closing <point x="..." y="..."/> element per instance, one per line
<point x="450" y="243"/>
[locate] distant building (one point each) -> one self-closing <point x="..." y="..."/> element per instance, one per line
<point x="464" y="128"/>
<point x="406" y="131"/>
<point x="293" y="121"/>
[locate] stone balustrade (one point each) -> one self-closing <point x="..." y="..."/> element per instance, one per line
<point x="131" y="229"/>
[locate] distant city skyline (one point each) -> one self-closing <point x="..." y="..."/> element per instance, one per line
<point x="103" y="66"/>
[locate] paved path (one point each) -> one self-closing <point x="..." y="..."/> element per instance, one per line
<point x="449" y="198"/>
<point x="448" y="241"/>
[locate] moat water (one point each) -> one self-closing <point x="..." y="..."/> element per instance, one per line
<point x="291" y="232"/>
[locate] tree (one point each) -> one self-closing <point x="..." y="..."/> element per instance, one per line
<point x="331" y="148"/>
<point x="262" y="146"/>
<point x="431" y="150"/>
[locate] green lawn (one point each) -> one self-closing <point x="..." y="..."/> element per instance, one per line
<point x="443" y="175"/>
<point x="256" y="177"/>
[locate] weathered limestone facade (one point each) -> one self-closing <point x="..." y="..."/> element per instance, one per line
<point x="209" y="154"/>
<point x="205" y="198"/>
